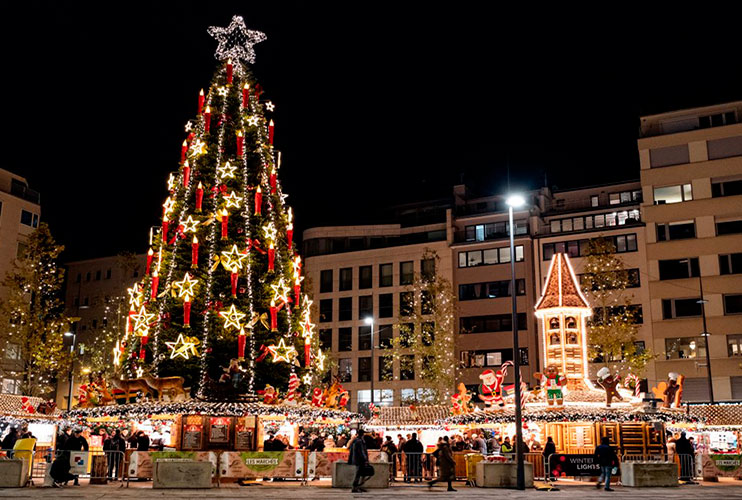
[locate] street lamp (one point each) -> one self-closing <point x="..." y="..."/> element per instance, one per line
<point x="516" y="201"/>
<point x="370" y="321"/>
<point x="72" y="362"/>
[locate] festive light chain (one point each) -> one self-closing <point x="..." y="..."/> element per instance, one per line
<point x="236" y="42"/>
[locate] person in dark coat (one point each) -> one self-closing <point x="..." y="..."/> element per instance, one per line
<point x="76" y="442"/>
<point x="606" y="457"/>
<point x="268" y="444"/>
<point x="413" y="450"/>
<point x="341" y="441"/>
<point x="115" y="447"/>
<point x="317" y="444"/>
<point x="358" y="456"/>
<point x="62" y="438"/>
<point x="60" y="471"/>
<point x="446" y="464"/>
<point x="9" y="441"/>
<point x="391" y="452"/>
<point x="686" y="454"/>
<point x="369" y="441"/>
<point x="549" y="449"/>
<point x="142" y="441"/>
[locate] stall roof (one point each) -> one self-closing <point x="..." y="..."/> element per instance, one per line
<point x="24" y="407"/>
<point x="404" y="415"/>
<point x="718" y="414"/>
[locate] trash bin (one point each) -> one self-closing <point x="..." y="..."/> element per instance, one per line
<point x="98" y="469"/>
<point x="471" y="468"/>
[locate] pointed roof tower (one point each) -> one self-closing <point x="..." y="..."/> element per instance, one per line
<point x="561" y="289"/>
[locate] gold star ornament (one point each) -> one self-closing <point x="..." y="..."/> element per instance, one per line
<point x="186" y="287"/>
<point x="282" y="352"/>
<point x="232" y="317"/>
<point x="182" y="347"/>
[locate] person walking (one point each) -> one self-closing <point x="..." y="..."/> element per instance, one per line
<point x="77" y="443"/>
<point x="391" y="452"/>
<point x="606" y="457"/>
<point x="413" y="450"/>
<point x="446" y="464"/>
<point x="115" y="447"/>
<point x="359" y="457"/>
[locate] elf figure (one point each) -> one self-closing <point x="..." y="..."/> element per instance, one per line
<point x="553" y="382"/>
<point x="490" y="390"/>
<point x="609" y="383"/>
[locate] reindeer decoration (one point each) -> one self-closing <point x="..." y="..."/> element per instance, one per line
<point x="131" y="386"/>
<point x="172" y="386"/>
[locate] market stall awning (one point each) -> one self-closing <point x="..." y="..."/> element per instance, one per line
<point x="13" y="405"/>
<point x="718" y="414"/>
<point x="412" y="416"/>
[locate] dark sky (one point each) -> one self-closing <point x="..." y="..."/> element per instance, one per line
<point x="376" y="102"/>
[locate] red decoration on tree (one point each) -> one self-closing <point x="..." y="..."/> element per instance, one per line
<point x="297" y="291"/>
<point x="199" y="197"/>
<point x="165" y="224"/>
<point x="272" y="180"/>
<point x="150" y="255"/>
<point x="155" y="284"/>
<point x="271" y="257"/>
<point x="142" y="345"/>
<point x="194" y="252"/>
<point x="183" y="150"/>
<point x="274" y="316"/>
<point x="186" y="174"/>
<point x="307" y="352"/>
<point x="290" y="234"/>
<point x="240" y="143"/>
<point x="207" y="119"/>
<point x="200" y="101"/>
<point x="241" y="340"/>
<point x="187" y="312"/>
<point x="129" y="322"/>
<point x="229" y="72"/>
<point x="258" y="201"/>
<point x="225" y="223"/>
<point x="271" y="130"/>
<point x="246" y="96"/>
<point x="234" y="278"/>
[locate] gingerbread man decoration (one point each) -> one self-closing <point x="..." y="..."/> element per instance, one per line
<point x="609" y="384"/>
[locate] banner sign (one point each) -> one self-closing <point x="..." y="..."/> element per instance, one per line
<point x="237" y="464"/>
<point x="722" y="465"/>
<point x="79" y="462"/>
<point x="566" y="465"/>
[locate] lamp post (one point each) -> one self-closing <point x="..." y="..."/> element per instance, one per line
<point x="516" y="201"/>
<point x="705" y="334"/>
<point x="72" y="363"/>
<point x="370" y="322"/>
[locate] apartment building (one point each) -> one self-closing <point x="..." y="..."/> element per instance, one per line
<point x="691" y="177"/>
<point x="95" y="292"/>
<point x="20" y="210"/>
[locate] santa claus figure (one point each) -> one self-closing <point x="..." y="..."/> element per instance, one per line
<point x="490" y="390"/>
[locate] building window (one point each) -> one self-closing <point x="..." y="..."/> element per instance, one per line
<point x="672" y="194"/>
<point x="364" y="338"/>
<point x="632" y="279"/>
<point x="364" y="369"/>
<point x="88" y="276"/>
<point x="594" y="200"/>
<point x="365" y="306"/>
<point x="734" y="345"/>
<point x="345" y="309"/>
<point x="365" y="277"/>
<point x="608" y="219"/>
<point x="97" y="275"/>
<point x="407" y="367"/>
<point x="685" y="348"/>
<point x="325" y="281"/>
<point x="427" y="269"/>
<point x="11" y="386"/>
<point x="672" y="155"/>
<point x="345" y="370"/>
<point x="490" y="256"/>
<point x="325" y="311"/>
<point x="717" y="120"/>
<point x="427" y="333"/>
<point x="426" y="302"/>
<point x="493" y="357"/>
<point x="726" y="147"/>
<point x="490" y="290"/>
<point x="729" y="227"/>
<point x="386" y="276"/>
<point x="494" y="230"/>
<point x="12" y="351"/>
<point x="579" y="248"/>
<point x="386" y="336"/>
<point x="730" y="263"/>
<point x="406" y="334"/>
<point x="29" y="219"/>
<point x="406" y="272"/>
<point x="386" y="305"/>
<point x="679" y="268"/>
<point x="633" y="311"/>
<point x="325" y="338"/>
<point x="676" y="230"/>
<point x="406" y="303"/>
<point x="726" y="188"/>
<point x="345" y="339"/>
<point x="108" y="274"/>
<point x="491" y="323"/>
<point x="733" y="303"/>
<point x="681" y="308"/>
<point x="386" y="368"/>
<point x="346" y="279"/>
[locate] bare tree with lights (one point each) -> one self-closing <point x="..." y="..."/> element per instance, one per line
<point x="426" y="343"/>
<point x="613" y="328"/>
<point x="32" y="315"/>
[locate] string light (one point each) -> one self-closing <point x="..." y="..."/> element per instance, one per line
<point x="226" y="171"/>
<point x="189" y="225"/>
<point x="233" y="200"/>
<point x="236" y="41"/>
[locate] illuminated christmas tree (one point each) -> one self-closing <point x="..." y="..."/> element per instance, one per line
<point x="221" y="302"/>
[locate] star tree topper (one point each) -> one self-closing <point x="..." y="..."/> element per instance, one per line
<point x="236" y="41"/>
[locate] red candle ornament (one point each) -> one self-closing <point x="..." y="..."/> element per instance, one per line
<point x="241" y="338"/>
<point x="274" y="316"/>
<point x="240" y="143"/>
<point x="271" y="128"/>
<point x="234" y="278"/>
<point x="246" y="95"/>
<point x="271" y="257"/>
<point x="186" y="174"/>
<point x="194" y="252"/>
<point x="207" y="119"/>
<point x="191" y="136"/>
<point x="143" y="343"/>
<point x="258" y="200"/>
<point x="200" y="101"/>
<point x="229" y="71"/>
<point x="187" y="311"/>
<point x="297" y="291"/>
<point x="307" y="351"/>
<point x="150" y="255"/>
<point x="199" y="197"/>
<point x="129" y="322"/>
<point x="272" y="180"/>
<point x="290" y="234"/>
<point x="225" y="222"/>
<point x="183" y="151"/>
<point x="155" y="284"/>
<point x="165" y="224"/>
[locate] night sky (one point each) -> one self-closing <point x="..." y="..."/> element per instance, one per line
<point x="376" y="103"/>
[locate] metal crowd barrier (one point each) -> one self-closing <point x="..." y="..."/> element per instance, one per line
<point x="687" y="467"/>
<point x="413" y="467"/>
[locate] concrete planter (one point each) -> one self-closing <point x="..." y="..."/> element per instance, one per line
<point x="179" y="473"/>
<point x="649" y="474"/>
<point x="343" y="475"/>
<point x="502" y="474"/>
<point x="13" y="473"/>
